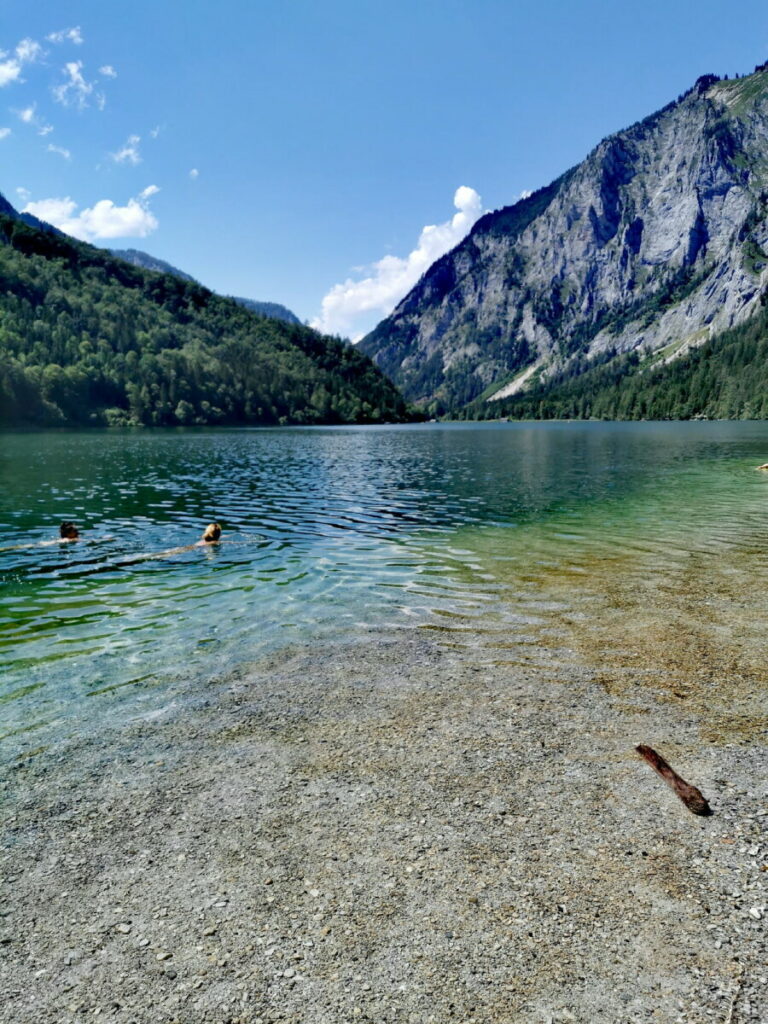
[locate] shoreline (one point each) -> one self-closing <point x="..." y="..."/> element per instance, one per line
<point x="387" y="830"/>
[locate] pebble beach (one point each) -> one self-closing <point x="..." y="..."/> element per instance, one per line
<point x="387" y="830"/>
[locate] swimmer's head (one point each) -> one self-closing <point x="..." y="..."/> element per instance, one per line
<point x="68" y="531"/>
<point x="212" y="533"/>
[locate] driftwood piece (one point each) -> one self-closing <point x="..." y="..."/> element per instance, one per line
<point x="693" y="798"/>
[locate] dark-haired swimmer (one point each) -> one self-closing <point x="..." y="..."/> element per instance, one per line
<point x="67" y="531"/>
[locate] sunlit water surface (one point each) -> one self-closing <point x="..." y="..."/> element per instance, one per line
<point x="481" y="533"/>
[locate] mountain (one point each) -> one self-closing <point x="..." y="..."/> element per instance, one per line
<point x="143" y="259"/>
<point x="654" y="245"/>
<point x="6" y="209"/>
<point x="273" y="309"/>
<point x="137" y="258"/>
<point x="89" y="339"/>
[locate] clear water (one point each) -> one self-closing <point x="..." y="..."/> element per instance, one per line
<point x="477" y="531"/>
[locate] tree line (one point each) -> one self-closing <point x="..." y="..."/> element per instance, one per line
<point x="725" y="378"/>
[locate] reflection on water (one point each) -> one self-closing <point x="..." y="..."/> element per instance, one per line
<point x="493" y="536"/>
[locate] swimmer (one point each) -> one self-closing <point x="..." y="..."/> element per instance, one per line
<point x="211" y="534"/>
<point x="67" y="532"/>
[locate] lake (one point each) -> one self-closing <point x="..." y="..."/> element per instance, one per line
<point x="605" y="542"/>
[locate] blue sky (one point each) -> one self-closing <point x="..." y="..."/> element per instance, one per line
<point x="295" y="151"/>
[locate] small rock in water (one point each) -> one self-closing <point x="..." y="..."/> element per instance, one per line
<point x="123" y="927"/>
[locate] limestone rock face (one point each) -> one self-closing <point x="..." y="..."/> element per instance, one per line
<point x="658" y="240"/>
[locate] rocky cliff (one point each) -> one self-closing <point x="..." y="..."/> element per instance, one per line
<point x="655" y="243"/>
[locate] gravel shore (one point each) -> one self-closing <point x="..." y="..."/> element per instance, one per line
<point x="387" y="830"/>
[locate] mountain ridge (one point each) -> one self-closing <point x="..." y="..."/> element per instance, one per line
<point x="657" y="239"/>
<point x="87" y="339"/>
<point x="272" y="309"/>
<point x="146" y="261"/>
<point x="139" y="258"/>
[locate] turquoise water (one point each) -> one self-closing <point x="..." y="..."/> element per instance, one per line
<point x="329" y="533"/>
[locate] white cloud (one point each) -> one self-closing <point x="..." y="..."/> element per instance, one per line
<point x="23" y="194"/>
<point x="60" y="150"/>
<point x="29" y="116"/>
<point x="4" y="133"/>
<point x="102" y="220"/>
<point x="10" y="71"/>
<point x="155" y="132"/>
<point x="194" y="173"/>
<point x="107" y="71"/>
<point x="129" y="151"/>
<point x="52" y="211"/>
<point x="72" y="35"/>
<point x="101" y="100"/>
<point x="105" y="220"/>
<point x="348" y="306"/>
<point x="148" y="192"/>
<point x="525" y="194"/>
<point x="75" y="89"/>
<point x="27" y="51"/>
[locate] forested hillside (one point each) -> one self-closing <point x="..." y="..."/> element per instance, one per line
<point x="143" y="259"/>
<point x="87" y="339"/>
<point x="726" y="378"/>
<point x="273" y="309"/>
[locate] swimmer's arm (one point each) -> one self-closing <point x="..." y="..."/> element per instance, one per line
<point x="40" y="544"/>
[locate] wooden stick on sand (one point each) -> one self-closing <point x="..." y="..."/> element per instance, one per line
<point x="691" y="797"/>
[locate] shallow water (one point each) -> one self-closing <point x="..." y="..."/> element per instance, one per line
<point x="510" y="539"/>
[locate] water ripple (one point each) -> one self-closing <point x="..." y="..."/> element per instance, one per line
<point x="457" y="529"/>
